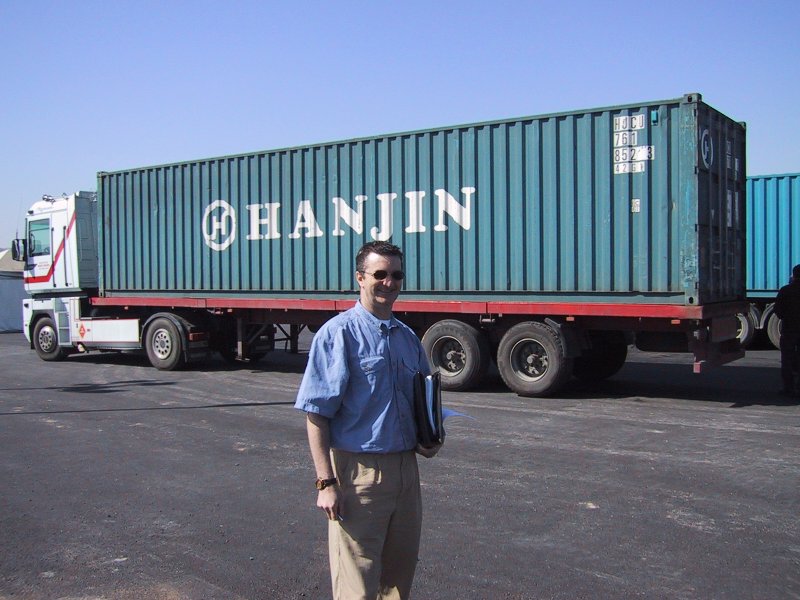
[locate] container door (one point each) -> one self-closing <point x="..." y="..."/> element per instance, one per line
<point x="720" y="207"/>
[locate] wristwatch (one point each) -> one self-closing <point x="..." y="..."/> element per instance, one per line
<point x="321" y="484"/>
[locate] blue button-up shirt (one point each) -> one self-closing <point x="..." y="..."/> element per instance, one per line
<point x="360" y="375"/>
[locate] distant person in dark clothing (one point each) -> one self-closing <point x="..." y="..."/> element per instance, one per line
<point x="787" y="307"/>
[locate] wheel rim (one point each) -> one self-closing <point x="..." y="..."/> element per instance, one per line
<point x="162" y="344"/>
<point x="774" y="327"/>
<point x="448" y="355"/>
<point x="47" y="339"/>
<point x="529" y="359"/>
<point x="743" y="330"/>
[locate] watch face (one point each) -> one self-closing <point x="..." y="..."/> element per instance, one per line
<point x="323" y="483"/>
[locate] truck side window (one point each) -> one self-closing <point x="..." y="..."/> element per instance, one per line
<point x="39" y="237"/>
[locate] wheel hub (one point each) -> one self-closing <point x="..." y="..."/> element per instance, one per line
<point x="531" y="359"/>
<point x="162" y="344"/>
<point x="47" y="339"/>
<point x="449" y="355"/>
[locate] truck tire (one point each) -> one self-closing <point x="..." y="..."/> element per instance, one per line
<point x="532" y="360"/>
<point x="774" y="330"/>
<point x="747" y="329"/>
<point x="605" y="358"/>
<point x="164" y="345"/>
<point x="459" y="351"/>
<point x="45" y="340"/>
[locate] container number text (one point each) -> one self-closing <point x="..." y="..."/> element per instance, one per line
<point x="625" y="138"/>
<point x="634" y="154"/>
<point x="629" y="167"/>
<point x="629" y="123"/>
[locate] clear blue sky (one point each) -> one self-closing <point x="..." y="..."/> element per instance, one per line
<point x="103" y="86"/>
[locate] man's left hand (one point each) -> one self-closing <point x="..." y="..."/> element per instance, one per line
<point x="427" y="452"/>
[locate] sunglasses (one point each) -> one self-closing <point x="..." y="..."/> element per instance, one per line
<point x="381" y="275"/>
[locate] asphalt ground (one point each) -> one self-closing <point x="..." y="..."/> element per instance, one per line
<point x="118" y="481"/>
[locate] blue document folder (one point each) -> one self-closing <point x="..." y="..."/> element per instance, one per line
<point x="428" y="409"/>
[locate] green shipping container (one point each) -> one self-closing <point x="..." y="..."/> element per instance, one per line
<point x="639" y="203"/>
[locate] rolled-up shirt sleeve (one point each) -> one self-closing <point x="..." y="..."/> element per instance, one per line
<point x="326" y="376"/>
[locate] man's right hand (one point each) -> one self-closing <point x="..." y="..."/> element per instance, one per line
<point x="329" y="500"/>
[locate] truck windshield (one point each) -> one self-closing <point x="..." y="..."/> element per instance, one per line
<point x="39" y="237"/>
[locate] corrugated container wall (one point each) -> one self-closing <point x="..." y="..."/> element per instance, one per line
<point x="773" y="232"/>
<point x="635" y="203"/>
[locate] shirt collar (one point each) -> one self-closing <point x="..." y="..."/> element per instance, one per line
<point x="375" y="321"/>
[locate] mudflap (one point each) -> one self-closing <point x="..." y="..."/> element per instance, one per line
<point x="717" y="344"/>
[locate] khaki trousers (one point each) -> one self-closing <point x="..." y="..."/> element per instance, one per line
<point x="374" y="547"/>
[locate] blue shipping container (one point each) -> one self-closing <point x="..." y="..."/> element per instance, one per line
<point x="773" y="232"/>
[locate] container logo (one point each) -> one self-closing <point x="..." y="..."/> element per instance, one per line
<point x="707" y="149"/>
<point x="262" y="220"/>
<point x="219" y="221"/>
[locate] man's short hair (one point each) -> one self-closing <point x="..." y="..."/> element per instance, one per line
<point x="796" y="272"/>
<point x="382" y="248"/>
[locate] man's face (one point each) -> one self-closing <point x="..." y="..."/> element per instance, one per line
<point x="378" y="296"/>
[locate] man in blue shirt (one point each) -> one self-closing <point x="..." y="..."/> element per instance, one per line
<point x="357" y="392"/>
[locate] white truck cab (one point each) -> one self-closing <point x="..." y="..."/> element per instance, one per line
<point x="60" y="274"/>
<point x="61" y="245"/>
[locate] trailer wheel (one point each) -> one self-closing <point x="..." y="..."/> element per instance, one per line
<point x="459" y="351"/>
<point x="746" y="330"/>
<point x="605" y="358"/>
<point x="45" y="341"/>
<point x="532" y="361"/>
<point x="774" y="330"/>
<point x="164" y="345"/>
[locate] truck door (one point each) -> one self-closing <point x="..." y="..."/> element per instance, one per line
<point x="39" y="268"/>
<point x="52" y="250"/>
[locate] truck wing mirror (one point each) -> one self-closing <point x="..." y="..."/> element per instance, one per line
<point x="19" y="251"/>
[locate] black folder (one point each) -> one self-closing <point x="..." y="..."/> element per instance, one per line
<point x="428" y="409"/>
